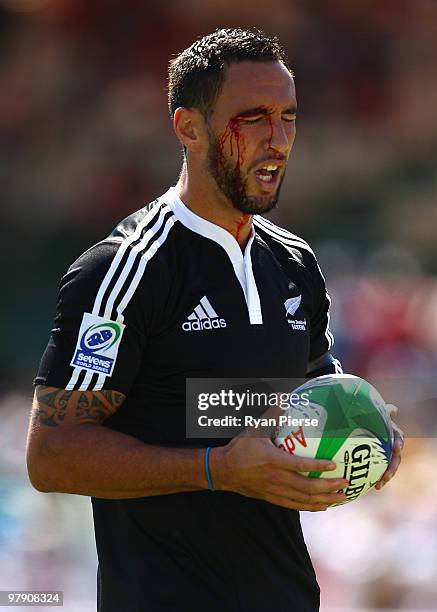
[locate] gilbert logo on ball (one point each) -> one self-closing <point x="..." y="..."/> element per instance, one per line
<point x="354" y="430"/>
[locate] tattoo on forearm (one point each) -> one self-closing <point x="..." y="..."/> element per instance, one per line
<point x="54" y="406"/>
<point x="51" y="407"/>
<point x="96" y="407"/>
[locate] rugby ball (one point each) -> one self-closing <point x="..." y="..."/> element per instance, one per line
<point x="342" y="418"/>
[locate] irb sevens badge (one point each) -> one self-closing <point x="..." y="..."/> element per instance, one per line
<point x="97" y="344"/>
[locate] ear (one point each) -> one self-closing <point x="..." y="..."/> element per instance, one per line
<point x="188" y="125"/>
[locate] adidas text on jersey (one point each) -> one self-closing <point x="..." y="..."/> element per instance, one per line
<point x="203" y="317"/>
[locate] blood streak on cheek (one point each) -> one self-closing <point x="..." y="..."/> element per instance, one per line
<point x="221" y="141"/>
<point x="236" y="143"/>
<point x="235" y="128"/>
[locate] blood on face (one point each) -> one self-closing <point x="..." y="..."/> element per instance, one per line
<point x="237" y="141"/>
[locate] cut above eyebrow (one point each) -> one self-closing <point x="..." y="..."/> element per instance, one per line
<point x="264" y="110"/>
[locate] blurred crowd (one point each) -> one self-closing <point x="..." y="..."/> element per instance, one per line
<point x="86" y="138"/>
<point x="85" y="135"/>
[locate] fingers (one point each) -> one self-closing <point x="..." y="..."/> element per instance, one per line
<point x="314" y="486"/>
<point x="255" y="467"/>
<point x="303" y="464"/>
<point x="296" y="500"/>
<point x="292" y="501"/>
<point x="305" y="499"/>
<point x="306" y="491"/>
<point x="392" y="409"/>
<point x="395" y="460"/>
<point x="389" y="473"/>
<point x="398" y="434"/>
<point x="292" y="463"/>
<point x="398" y="443"/>
<point x="287" y="481"/>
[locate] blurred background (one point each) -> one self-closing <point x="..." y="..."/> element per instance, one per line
<point x="85" y="138"/>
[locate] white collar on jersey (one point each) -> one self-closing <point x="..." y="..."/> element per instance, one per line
<point x="242" y="263"/>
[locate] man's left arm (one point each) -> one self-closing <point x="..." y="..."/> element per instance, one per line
<point x="322" y="362"/>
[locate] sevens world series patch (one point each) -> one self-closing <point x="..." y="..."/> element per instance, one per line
<point x="97" y="344"/>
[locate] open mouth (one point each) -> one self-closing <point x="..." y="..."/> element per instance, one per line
<point x="267" y="174"/>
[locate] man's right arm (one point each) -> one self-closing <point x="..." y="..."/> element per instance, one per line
<point x="69" y="451"/>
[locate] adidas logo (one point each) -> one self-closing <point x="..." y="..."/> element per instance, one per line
<point x="203" y="317"/>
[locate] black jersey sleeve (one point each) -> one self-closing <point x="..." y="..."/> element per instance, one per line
<point x="321" y="339"/>
<point x="97" y="341"/>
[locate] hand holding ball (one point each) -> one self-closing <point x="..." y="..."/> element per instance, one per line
<point x="353" y="429"/>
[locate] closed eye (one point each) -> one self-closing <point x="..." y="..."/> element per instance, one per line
<point x="254" y="119"/>
<point x="289" y="118"/>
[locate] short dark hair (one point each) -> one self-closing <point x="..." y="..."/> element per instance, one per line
<point x="196" y="75"/>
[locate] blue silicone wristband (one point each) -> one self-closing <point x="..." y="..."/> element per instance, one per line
<point x="207" y="472"/>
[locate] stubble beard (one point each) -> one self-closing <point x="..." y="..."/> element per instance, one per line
<point x="234" y="186"/>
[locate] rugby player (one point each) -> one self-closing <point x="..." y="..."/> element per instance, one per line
<point x="195" y="284"/>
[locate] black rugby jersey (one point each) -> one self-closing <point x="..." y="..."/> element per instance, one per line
<point x="166" y="297"/>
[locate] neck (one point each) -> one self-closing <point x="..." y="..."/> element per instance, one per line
<point x="205" y="200"/>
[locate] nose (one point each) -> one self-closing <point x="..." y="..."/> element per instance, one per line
<point x="280" y="138"/>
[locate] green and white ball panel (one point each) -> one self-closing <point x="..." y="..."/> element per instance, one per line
<point x="354" y="430"/>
